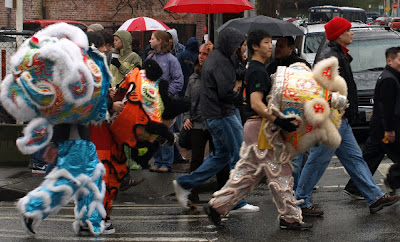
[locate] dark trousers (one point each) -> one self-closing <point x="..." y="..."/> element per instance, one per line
<point x="199" y="140"/>
<point x="373" y="153"/>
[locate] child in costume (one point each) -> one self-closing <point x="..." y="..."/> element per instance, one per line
<point x="58" y="80"/>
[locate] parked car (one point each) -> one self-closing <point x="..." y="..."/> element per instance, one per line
<point x="35" y="25"/>
<point x="373" y="15"/>
<point x="383" y="21"/>
<point x="368" y="52"/>
<point x="395" y="24"/>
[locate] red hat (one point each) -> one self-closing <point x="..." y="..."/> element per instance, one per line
<point x="336" y="27"/>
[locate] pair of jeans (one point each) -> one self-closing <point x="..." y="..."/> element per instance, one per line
<point x="227" y="136"/>
<point x="374" y="152"/>
<point x="165" y="154"/>
<point x="37" y="158"/>
<point x="350" y="155"/>
<point x="199" y="140"/>
<point x="297" y="168"/>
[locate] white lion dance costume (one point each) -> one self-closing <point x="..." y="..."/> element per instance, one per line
<point x="317" y="100"/>
<point x="57" y="80"/>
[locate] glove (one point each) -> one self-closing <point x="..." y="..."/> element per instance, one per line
<point x="286" y="124"/>
<point x="115" y="62"/>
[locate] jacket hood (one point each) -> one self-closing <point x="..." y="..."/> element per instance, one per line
<point x="126" y="38"/>
<point x="174" y="35"/>
<point x="193" y="44"/>
<point x="228" y="40"/>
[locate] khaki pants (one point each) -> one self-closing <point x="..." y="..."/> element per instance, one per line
<point x="250" y="169"/>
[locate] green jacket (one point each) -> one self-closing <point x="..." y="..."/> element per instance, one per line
<point x="129" y="59"/>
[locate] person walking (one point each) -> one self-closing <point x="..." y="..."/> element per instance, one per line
<point x="172" y="72"/>
<point x="127" y="60"/>
<point x="217" y="108"/>
<point x="349" y="153"/>
<point x="199" y="134"/>
<point x="257" y="161"/>
<point x="385" y="121"/>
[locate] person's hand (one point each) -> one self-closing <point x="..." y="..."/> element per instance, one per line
<point x="238" y="86"/>
<point x="50" y="154"/>
<point x="112" y="92"/>
<point x="391" y="136"/>
<point x="115" y="62"/>
<point x="118" y="106"/>
<point x="286" y="123"/>
<point x="187" y="124"/>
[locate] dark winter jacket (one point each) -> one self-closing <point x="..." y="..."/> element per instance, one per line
<point x="218" y="77"/>
<point x="187" y="59"/>
<point x="240" y="71"/>
<point x="386" y="113"/>
<point x="193" y="93"/>
<point x="335" y="49"/>
<point x="293" y="58"/>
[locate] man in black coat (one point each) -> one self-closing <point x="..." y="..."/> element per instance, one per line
<point x="385" y="121"/>
<point x="349" y="153"/>
<point x="284" y="54"/>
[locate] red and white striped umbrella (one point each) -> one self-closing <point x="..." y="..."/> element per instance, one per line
<point x="143" y="24"/>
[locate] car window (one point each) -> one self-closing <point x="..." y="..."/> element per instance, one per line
<point x="370" y="54"/>
<point x="312" y="42"/>
<point x="369" y="60"/>
<point x="396" y="20"/>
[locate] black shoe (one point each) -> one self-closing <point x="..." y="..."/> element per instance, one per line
<point x="354" y="195"/>
<point x="84" y="231"/>
<point x="181" y="160"/>
<point x="388" y="188"/>
<point x="294" y="226"/>
<point x="213" y="216"/>
<point x="28" y="224"/>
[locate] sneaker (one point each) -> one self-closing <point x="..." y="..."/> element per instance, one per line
<point x="154" y="168"/>
<point x="84" y="231"/>
<point x="248" y="208"/>
<point x="294" y="226"/>
<point x="181" y="194"/>
<point x="312" y="211"/>
<point x="128" y="182"/>
<point x="109" y="229"/>
<point x="181" y="160"/>
<point x="28" y="224"/>
<point x="39" y="170"/>
<point x="388" y="189"/>
<point x="136" y="166"/>
<point x="163" y="170"/>
<point x="382" y="202"/>
<point x="356" y="196"/>
<point x="213" y="216"/>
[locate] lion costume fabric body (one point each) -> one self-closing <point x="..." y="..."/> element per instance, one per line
<point x="58" y="79"/>
<point x="142" y="125"/>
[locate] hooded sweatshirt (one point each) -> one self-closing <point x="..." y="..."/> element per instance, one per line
<point x="219" y="78"/>
<point x="177" y="47"/>
<point x="129" y="59"/>
<point x="187" y="59"/>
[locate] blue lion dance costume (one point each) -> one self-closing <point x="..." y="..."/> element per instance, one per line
<point x="60" y="84"/>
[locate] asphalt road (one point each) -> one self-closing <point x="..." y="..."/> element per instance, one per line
<point x="142" y="214"/>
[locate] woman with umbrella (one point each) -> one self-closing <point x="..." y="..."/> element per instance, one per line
<point x="172" y="72"/>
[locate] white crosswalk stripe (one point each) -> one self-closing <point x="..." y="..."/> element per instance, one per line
<point x="178" y="227"/>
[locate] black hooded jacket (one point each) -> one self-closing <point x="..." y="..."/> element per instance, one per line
<point x="335" y="49"/>
<point x="218" y="77"/>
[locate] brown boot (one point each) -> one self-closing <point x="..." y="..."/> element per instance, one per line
<point x="312" y="211"/>
<point x="382" y="202"/>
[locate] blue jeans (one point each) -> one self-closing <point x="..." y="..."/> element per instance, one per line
<point x="164" y="155"/>
<point x="297" y="167"/>
<point x="227" y="135"/>
<point x="349" y="154"/>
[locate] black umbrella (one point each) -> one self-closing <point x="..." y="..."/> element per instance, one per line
<point x="275" y="27"/>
